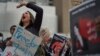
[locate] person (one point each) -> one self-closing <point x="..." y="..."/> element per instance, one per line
<point x="2" y="43"/>
<point x="43" y="49"/>
<point x="9" y="50"/>
<point x="45" y="34"/>
<point x="28" y="21"/>
<point x="12" y="29"/>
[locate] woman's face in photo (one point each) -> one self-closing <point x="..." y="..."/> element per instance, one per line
<point x="26" y="17"/>
<point x="58" y="47"/>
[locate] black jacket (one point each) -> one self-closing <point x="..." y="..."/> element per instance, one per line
<point x="35" y="27"/>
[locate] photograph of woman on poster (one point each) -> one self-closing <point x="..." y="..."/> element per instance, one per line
<point x="85" y="32"/>
<point x="56" y="48"/>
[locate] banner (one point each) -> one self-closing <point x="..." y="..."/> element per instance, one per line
<point x="25" y="43"/>
<point x="85" y="28"/>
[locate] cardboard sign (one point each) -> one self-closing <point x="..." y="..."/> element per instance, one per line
<point x="26" y="43"/>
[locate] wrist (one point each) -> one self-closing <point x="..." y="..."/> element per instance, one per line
<point x="25" y="3"/>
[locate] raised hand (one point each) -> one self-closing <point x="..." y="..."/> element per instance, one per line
<point x="22" y="3"/>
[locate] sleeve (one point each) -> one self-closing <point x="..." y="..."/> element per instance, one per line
<point x="39" y="15"/>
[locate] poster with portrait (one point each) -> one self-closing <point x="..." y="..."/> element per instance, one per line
<point x="85" y="28"/>
<point x="25" y="43"/>
<point x="9" y="51"/>
<point x="57" y="44"/>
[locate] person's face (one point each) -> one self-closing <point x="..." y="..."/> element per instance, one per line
<point x="45" y="35"/>
<point x="58" y="48"/>
<point x="26" y="17"/>
<point x="12" y="30"/>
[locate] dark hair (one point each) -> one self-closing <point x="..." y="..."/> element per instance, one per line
<point x="12" y="27"/>
<point x="31" y="21"/>
<point x="1" y="34"/>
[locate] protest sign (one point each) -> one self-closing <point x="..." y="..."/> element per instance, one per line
<point x="57" y="44"/>
<point x="25" y="43"/>
<point x="85" y="30"/>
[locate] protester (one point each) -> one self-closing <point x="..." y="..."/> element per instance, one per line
<point x="9" y="50"/>
<point x="45" y="34"/>
<point x="59" y="48"/>
<point x="28" y="21"/>
<point x="43" y="49"/>
<point x="2" y="43"/>
<point x="12" y="29"/>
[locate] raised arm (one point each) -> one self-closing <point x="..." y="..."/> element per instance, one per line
<point x="39" y="15"/>
<point x="37" y="9"/>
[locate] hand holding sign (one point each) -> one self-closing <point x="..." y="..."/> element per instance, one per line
<point x="25" y="42"/>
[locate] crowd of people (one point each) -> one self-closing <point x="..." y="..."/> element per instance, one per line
<point x="33" y="25"/>
<point x="44" y="48"/>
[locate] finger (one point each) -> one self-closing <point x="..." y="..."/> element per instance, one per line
<point x="19" y="6"/>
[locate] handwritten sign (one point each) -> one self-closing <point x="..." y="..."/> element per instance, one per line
<point x="25" y="42"/>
